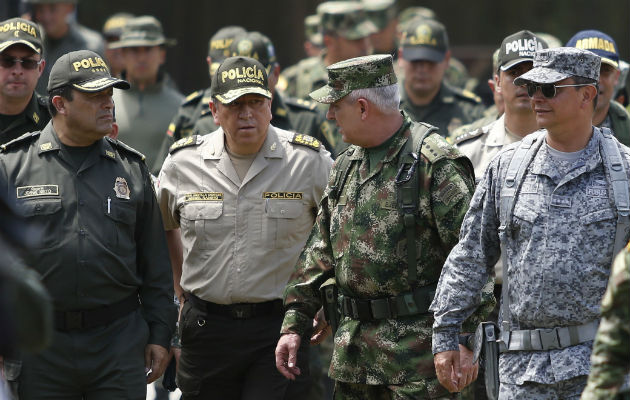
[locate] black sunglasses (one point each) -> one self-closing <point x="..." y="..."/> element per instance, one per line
<point x="27" y="63"/>
<point x="549" y="89"/>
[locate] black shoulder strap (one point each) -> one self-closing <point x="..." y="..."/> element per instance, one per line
<point x="345" y="162"/>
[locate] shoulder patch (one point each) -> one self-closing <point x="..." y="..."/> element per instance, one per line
<point x="435" y="148"/>
<point x="193" y="97"/>
<point x="300" y="103"/>
<point x="125" y="147"/>
<point x="190" y="141"/>
<point x="306" y="140"/>
<point x="469" y="135"/>
<point x="20" y="140"/>
<point x="467" y="94"/>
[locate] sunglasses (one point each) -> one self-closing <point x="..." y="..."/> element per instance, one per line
<point x="549" y="89"/>
<point x="27" y="63"/>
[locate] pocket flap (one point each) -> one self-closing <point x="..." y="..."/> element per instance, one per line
<point x="525" y="214"/>
<point x="120" y="211"/>
<point x="204" y="210"/>
<point x="284" y="208"/>
<point x="30" y="208"/>
<point x="599" y="215"/>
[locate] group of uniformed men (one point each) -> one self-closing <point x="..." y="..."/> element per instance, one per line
<point x="239" y="213"/>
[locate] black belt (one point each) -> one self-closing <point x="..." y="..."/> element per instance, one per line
<point x="238" y="310"/>
<point x="87" y="319"/>
<point x="405" y="304"/>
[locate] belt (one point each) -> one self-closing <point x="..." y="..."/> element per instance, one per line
<point x="405" y="304"/>
<point x="87" y="319"/>
<point x="238" y="310"/>
<point x="551" y="338"/>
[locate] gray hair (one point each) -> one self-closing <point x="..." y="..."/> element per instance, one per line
<point x="385" y="98"/>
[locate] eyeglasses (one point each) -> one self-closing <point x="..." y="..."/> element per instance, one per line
<point x="549" y="89"/>
<point x="27" y="63"/>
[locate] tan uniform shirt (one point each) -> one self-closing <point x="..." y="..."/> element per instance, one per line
<point x="242" y="239"/>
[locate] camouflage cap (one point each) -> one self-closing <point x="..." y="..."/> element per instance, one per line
<point x="380" y="12"/>
<point x="83" y="70"/>
<point x="238" y="76"/>
<point x="356" y="73"/>
<point x="346" y="19"/>
<point x="142" y="31"/>
<point x="219" y="45"/>
<point x="311" y="29"/>
<point x="257" y="46"/>
<point x="553" y="65"/>
<point x="424" y="39"/>
<point x="519" y="47"/>
<point x="20" y="31"/>
<point x="411" y="13"/>
<point x="113" y="26"/>
<point x="599" y="43"/>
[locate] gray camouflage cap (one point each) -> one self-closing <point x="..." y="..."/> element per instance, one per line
<point x="553" y="65"/>
<point x="346" y="19"/>
<point x="356" y="73"/>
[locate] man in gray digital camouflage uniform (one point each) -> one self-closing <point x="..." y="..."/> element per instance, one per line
<point x="556" y="219"/>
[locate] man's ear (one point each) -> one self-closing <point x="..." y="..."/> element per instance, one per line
<point x="588" y="94"/>
<point x="213" y="109"/>
<point x="60" y="104"/>
<point x="364" y="107"/>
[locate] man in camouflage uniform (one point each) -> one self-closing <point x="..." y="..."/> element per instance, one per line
<point x="62" y="34"/>
<point x="608" y="113"/>
<point x="21" y="108"/>
<point x="383" y="14"/>
<point x="549" y="203"/>
<point x="610" y="362"/>
<point x="424" y="58"/>
<point x="313" y="42"/>
<point x="144" y="112"/>
<point x="360" y="239"/>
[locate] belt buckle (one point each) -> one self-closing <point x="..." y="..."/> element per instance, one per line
<point x="73" y="320"/>
<point x="241" y="311"/>
<point x="549" y="339"/>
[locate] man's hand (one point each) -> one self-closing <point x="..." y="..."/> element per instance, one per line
<point x="447" y="367"/>
<point x="321" y="328"/>
<point x="155" y="360"/>
<point x="286" y="355"/>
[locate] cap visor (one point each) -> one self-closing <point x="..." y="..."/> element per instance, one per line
<point x="6" y="45"/>
<point x="327" y="95"/>
<point x="540" y="75"/>
<point x="141" y="43"/>
<point x="227" y="98"/>
<point x="96" y="85"/>
<point x="422" y="53"/>
<point x="514" y="63"/>
<point x="610" y="62"/>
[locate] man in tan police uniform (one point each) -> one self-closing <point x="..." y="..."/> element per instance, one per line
<point x="238" y="205"/>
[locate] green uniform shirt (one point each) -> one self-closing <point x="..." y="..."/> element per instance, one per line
<point x="34" y="118"/>
<point x="449" y="109"/>
<point x="362" y="238"/>
<point x="101" y="232"/>
<point x="78" y="38"/>
<point x="620" y="122"/>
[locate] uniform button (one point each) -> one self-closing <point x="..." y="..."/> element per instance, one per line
<point x="283" y="211"/>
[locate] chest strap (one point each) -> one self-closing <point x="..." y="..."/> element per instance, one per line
<point x="551" y="338"/>
<point x="405" y="304"/>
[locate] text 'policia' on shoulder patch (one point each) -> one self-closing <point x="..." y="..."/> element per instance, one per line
<point x="203" y="196"/>
<point x="185" y="142"/>
<point x="306" y="140"/>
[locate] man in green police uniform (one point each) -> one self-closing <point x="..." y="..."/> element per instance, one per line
<point x="21" y="108"/>
<point x="424" y="59"/>
<point x="62" y="33"/>
<point x="102" y="254"/>
<point x="382" y="344"/>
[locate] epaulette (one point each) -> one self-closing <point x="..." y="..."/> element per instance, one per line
<point x="470" y="135"/>
<point x="192" y="98"/>
<point x="18" y="140"/>
<point x="300" y="103"/>
<point x="306" y="140"/>
<point x="42" y="100"/>
<point x="435" y="148"/>
<point x="121" y="145"/>
<point x="190" y="141"/>
<point x="467" y="95"/>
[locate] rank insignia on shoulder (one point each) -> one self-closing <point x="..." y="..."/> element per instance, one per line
<point x="185" y="142"/>
<point x="193" y="96"/>
<point x="306" y="140"/>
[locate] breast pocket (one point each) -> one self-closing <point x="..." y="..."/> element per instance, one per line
<point x="121" y="223"/>
<point x="599" y="233"/>
<point x="46" y="217"/>
<point x="283" y="223"/>
<point x="202" y="220"/>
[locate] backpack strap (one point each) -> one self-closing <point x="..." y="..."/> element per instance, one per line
<point x="619" y="180"/>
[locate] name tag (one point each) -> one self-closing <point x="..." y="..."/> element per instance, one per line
<point x="283" y="195"/>
<point x="37" y="191"/>
<point x="596" y="191"/>
<point x="561" y="201"/>
<point x="530" y="184"/>
<point x="203" y="196"/>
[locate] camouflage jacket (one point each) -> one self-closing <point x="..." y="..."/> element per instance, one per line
<point x="449" y="109"/>
<point x="362" y="238"/>
<point x="611" y="350"/>
<point x="302" y="78"/>
<point x="559" y="254"/>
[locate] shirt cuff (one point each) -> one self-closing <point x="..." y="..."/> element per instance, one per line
<point x="296" y="322"/>
<point x="445" y="341"/>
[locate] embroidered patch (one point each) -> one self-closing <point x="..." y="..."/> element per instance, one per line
<point x="306" y="140"/>
<point x="37" y="191"/>
<point x="203" y="196"/>
<point x="530" y="184"/>
<point x="283" y="195"/>
<point x="561" y="201"/>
